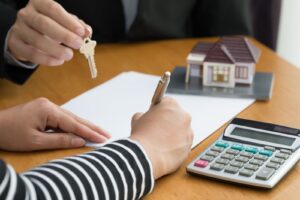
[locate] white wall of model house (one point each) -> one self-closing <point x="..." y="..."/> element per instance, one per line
<point x="289" y="32"/>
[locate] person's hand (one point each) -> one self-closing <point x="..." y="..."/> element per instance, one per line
<point x="45" y="33"/>
<point x="166" y="135"/>
<point x="23" y="128"/>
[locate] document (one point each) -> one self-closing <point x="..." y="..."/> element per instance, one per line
<point x="112" y="104"/>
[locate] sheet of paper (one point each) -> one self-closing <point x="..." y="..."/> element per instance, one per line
<point x="112" y="104"/>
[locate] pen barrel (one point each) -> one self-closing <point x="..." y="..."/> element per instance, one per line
<point x="161" y="88"/>
<point x="157" y="94"/>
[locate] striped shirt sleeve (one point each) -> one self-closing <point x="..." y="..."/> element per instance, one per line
<point x="118" y="170"/>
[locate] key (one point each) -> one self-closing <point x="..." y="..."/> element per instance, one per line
<point x="88" y="50"/>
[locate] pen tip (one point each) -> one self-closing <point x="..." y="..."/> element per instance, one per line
<point x="167" y="73"/>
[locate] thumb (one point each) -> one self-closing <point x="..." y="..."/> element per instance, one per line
<point x="136" y="117"/>
<point x="59" y="141"/>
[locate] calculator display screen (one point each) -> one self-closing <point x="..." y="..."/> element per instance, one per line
<point x="277" y="139"/>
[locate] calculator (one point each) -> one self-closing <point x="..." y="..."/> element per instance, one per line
<point x="251" y="153"/>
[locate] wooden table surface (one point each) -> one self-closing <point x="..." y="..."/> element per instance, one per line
<point x="60" y="84"/>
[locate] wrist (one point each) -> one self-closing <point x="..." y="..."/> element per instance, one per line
<point x="154" y="155"/>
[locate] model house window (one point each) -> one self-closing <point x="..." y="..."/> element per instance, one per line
<point x="241" y="72"/>
<point x="220" y="73"/>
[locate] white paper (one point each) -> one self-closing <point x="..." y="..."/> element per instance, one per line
<point x="112" y="104"/>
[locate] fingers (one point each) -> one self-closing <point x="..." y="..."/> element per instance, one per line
<point x="52" y="29"/>
<point x="55" y="117"/>
<point x="23" y="51"/>
<point x="58" y="14"/>
<point x="45" y="44"/>
<point x="88" y="29"/>
<point x="92" y="126"/>
<point x="43" y="26"/>
<point x="57" y="141"/>
<point x="135" y="118"/>
<point x="65" y="122"/>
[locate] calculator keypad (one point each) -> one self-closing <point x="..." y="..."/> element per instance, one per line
<point x="232" y="170"/>
<point x="277" y="160"/>
<point x="217" y="166"/>
<point x="227" y="156"/>
<point x="261" y="157"/>
<point x="265" y="173"/>
<point x="222" y="161"/>
<point x="237" y="164"/>
<point x="201" y="163"/>
<point x="243" y="160"/>
<point x="207" y="158"/>
<point x="273" y="165"/>
<point x="231" y="151"/>
<point x="246" y="172"/>
<point x="282" y="155"/>
<point x="256" y="162"/>
<point x="250" y="166"/>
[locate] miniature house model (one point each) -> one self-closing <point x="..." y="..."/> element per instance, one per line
<point x="229" y="61"/>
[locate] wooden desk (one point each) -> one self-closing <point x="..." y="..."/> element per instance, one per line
<point x="63" y="83"/>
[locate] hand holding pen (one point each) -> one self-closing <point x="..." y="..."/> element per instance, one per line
<point x="161" y="88"/>
<point x="164" y="131"/>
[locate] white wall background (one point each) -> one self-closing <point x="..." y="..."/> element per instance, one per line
<point x="289" y="32"/>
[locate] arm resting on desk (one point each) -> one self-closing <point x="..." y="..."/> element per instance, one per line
<point x="114" y="171"/>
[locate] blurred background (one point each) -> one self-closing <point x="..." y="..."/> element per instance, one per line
<point x="275" y="23"/>
<point x="288" y="43"/>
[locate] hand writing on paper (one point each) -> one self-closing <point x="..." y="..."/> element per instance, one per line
<point x="22" y="128"/>
<point x="166" y="135"/>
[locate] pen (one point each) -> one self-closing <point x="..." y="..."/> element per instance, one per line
<point x="161" y="88"/>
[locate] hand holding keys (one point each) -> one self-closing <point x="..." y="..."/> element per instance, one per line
<point x="88" y="50"/>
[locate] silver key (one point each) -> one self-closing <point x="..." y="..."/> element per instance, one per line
<point x="88" y="50"/>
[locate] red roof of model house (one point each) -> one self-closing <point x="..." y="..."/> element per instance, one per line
<point x="228" y="50"/>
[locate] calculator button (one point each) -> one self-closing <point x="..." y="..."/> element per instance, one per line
<point x="217" y="166"/>
<point x="261" y="157"/>
<point x="246" y="154"/>
<point x="273" y="165"/>
<point x="222" y="161"/>
<point x="227" y="156"/>
<point x="231" y="169"/>
<point x="212" y="153"/>
<point x="270" y="148"/>
<point x="256" y="162"/>
<point x="201" y="163"/>
<point x="266" y="152"/>
<point x="207" y="158"/>
<point x="252" y="167"/>
<point x="246" y="172"/>
<point x="232" y="151"/>
<point x="222" y="144"/>
<point x="251" y="149"/>
<point x="242" y="159"/>
<point x="277" y="160"/>
<point x="286" y="151"/>
<point x="218" y="149"/>
<point x="236" y="164"/>
<point x="282" y="155"/>
<point x="265" y="173"/>
<point x="237" y="147"/>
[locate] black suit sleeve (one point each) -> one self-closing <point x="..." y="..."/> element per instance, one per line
<point x="13" y="73"/>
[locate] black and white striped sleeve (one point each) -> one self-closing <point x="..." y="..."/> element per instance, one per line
<point x="118" y="170"/>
